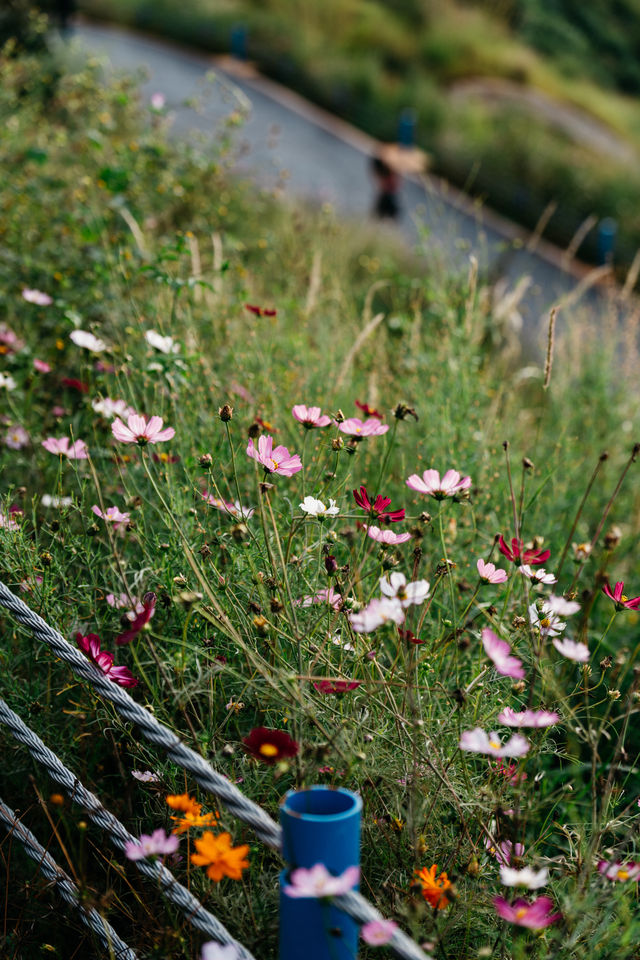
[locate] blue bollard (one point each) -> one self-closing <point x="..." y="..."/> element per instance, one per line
<point x="607" y="230"/>
<point x="239" y="36"/>
<point x="319" y="825"/>
<point x="407" y="127"/>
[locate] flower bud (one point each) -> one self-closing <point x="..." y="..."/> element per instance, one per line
<point x="337" y="443"/>
<point x="612" y="538"/>
<point x="205" y="460"/>
<point x="403" y="411"/>
<point x="225" y="412"/>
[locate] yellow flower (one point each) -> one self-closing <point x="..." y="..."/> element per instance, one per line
<point x="221" y="859"/>
<point x="433" y="888"/>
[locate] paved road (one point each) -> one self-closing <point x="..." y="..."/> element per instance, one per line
<point x="327" y="161"/>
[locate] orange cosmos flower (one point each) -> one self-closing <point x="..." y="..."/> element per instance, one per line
<point x="221" y="859"/>
<point x="194" y="820"/>
<point x="434" y="888"/>
<point x="185" y="803"/>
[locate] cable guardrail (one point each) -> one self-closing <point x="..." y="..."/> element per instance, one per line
<point x="352" y="903"/>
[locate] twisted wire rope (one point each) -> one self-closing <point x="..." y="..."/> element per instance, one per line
<point x="353" y="903"/>
<point x="65" y="885"/>
<point x="172" y="889"/>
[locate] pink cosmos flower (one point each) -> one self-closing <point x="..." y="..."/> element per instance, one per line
<point x="371" y="427"/>
<point x="157" y="101"/>
<point x="109" y="408"/>
<point x="325" y="595"/>
<point x="538" y="576"/>
<point x="277" y="460"/>
<point x="154" y="845"/>
<point x="90" y="645"/>
<point x="379" y="506"/>
<point x="336" y="686"/>
<point x="9" y="339"/>
<point x="7" y="522"/>
<point x="388" y="537"/>
<point x="504" y="850"/>
<point x="63" y="447"/>
<point x="141" y="620"/>
<point x="310" y="416"/>
<point x="396" y="586"/>
<point x="376" y="614"/>
<point x="123" y="600"/>
<point x="235" y="509"/>
<point x="517" y="554"/>
<point x="619" y="598"/>
<point x="535" y="916"/>
<point x="490" y="573"/>
<point x="477" y="741"/>
<point x="499" y="653"/>
<point x="112" y="515"/>
<point x="619" y="872"/>
<point x="16" y="438"/>
<point x="528" y="718"/>
<point x="318" y="882"/>
<point x="145" y="776"/>
<point x="572" y="650"/>
<point x="37" y="296"/>
<point x="431" y="484"/>
<point x="40" y="366"/>
<point x="139" y="431"/>
<point x="378" y="932"/>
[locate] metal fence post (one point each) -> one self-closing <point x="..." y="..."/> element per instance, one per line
<point x="320" y="825"/>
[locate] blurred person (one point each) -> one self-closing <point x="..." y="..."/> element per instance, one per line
<point x="386" y="204"/>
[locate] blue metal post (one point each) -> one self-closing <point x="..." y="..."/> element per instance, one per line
<point x="607" y="231"/>
<point x="319" y="825"/>
<point x="239" y="36"/>
<point x="407" y="127"/>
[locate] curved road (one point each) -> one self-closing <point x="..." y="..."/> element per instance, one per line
<point x="326" y="160"/>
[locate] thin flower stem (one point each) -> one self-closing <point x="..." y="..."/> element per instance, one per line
<point x="601" y="459"/>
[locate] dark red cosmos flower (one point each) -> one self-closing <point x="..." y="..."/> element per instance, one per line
<point x="336" y="686"/>
<point x="149" y="605"/>
<point x="409" y="637"/>
<point x="516" y="554"/>
<point x="619" y="598"/>
<point x="378" y="507"/>
<point x="90" y="645"/>
<point x="369" y="411"/>
<point x="260" y="311"/>
<point x="72" y="384"/>
<point x="269" y="746"/>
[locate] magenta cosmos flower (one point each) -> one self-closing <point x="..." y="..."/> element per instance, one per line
<point x="431" y="484"/>
<point x="378" y="507"/>
<point x="528" y="718"/>
<point x="154" y="845"/>
<point x="619" y="872"/>
<point x="517" y="554"/>
<point x="112" y="515"/>
<point x="139" y="431"/>
<point x="310" y="416"/>
<point x="619" y="598"/>
<point x="274" y="460"/>
<point x="477" y="741"/>
<point x="499" y="653"/>
<point x="90" y="645"/>
<point x="140" y="620"/>
<point x="317" y="882"/>
<point x="64" y="448"/>
<point x="336" y="686"/>
<point x="535" y="916"/>
<point x="387" y="537"/>
<point x="378" y="932"/>
<point x="371" y="427"/>
<point x="490" y="573"/>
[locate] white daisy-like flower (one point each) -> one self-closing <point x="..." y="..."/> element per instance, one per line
<point x="83" y="338"/>
<point x="396" y="586"/>
<point x="163" y="344"/>
<point x="316" y="508"/>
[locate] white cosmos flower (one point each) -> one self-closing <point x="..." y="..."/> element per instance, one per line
<point x="376" y="614"/>
<point x="537" y="574"/>
<point x="48" y="501"/>
<point x="396" y="586"/>
<point x="572" y="650"/>
<point x="110" y="409"/>
<point x="531" y="879"/>
<point x="548" y="622"/>
<point x="316" y="508"/>
<point x="82" y="338"/>
<point x="7" y="382"/>
<point x="562" y="607"/>
<point x="163" y="344"/>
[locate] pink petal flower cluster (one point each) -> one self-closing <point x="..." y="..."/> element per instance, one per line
<point x="499" y="652"/>
<point x="64" y="448"/>
<point x="535" y="915"/>
<point x="396" y="587"/>
<point x="504" y="850"/>
<point x="145" y="776"/>
<point x="572" y="650"/>
<point x="158" y="844"/>
<point x="140" y="620"/>
<point x="124" y="600"/>
<point x="451" y="484"/>
<point x="36" y="296"/>
<point x="388" y="537"/>
<point x="619" y="598"/>
<point x="234" y="509"/>
<point x="139" y="431"/>
<point x="109" y="409"/>
<point x="8" y="522"/>
<point x="317" y="882"/>
<point x="16" y="438"/>
<point x="274" y="460"/>
<point x="112" y="515"/>
<point x="90" y="645"/>
<point x="310" y="416"/>
<point x="377" y="933"/>
<point x="371" y="427"/>
<point x="477" y="741"/>
<point x="490" y="573"/>
<point x="376" y="614"/>
<point x="40" y="366"/>
<point x="326" y="595"/>
<point x="528" y="718"/>
<point x="619" y="872"/>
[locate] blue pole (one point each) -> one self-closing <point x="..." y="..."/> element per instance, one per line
<point x="239" y="35"/>
<point x="407" y="127"/>
<point x="319" y="825"/>
<point x="607" y="231"/>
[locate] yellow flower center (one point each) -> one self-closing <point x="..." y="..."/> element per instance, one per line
<point x="494" y="744"/>
<point x="623" y="874"/>
<point x="545" y="623"/>
<point x="623" y="598"/>
<point x="274" y="462"/>
<point x="522" y="912"/>
<point x="268" y="750"/>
